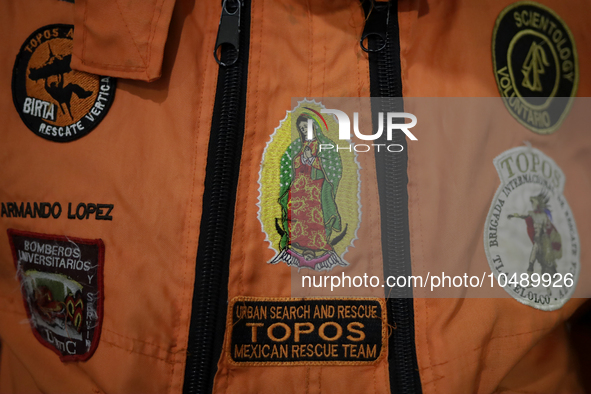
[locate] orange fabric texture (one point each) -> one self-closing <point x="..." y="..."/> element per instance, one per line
<point x="323" y="60"/>
<point x="148" y="158"/>
<point x="478" y="345"/>
<point x="151" y="243"/>
<point x="130" y="45"/>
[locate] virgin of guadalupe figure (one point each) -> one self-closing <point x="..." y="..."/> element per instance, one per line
<point x="310" y="223"/>
<point x="546" y="240"/>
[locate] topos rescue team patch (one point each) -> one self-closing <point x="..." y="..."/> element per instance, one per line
<point x="309" y="205"/>
<point x="298" y="331"/>
<point x="62" y="285"/>
<point x="54" y="101"/>
<point x="530" y="236"/>
<point x="535" y="64"/>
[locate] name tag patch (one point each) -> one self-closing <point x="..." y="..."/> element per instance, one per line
<point x="297" y="331"/>
<point x="62" y="285"/>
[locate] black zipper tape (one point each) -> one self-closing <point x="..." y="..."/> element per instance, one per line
<point x="383" y="46"/>
<point x="208" y="315"/>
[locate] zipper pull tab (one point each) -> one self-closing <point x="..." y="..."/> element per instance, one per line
<point x="376" y="25"/>
<point x="228" y="39"/>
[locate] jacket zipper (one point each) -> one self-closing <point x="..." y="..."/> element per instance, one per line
<point x="208" y="315"/>
<point x="383" y="47"/>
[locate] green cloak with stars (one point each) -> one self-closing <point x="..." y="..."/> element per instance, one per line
<point x="331" y="171"/>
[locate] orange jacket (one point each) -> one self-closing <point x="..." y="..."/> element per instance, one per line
<point x="109" y="174"/>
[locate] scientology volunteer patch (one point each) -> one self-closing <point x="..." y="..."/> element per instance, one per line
<point x="62" y="286"/>
<point x="530" y="236"/>
<point x="54" y="101"/>
<point x="535" y="65"/>
<point x="298" y="331"/>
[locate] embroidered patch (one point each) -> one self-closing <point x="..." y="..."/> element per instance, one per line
<point x="297" y="331"/>
<point x="530" y="236"/>
<point x="309" y="205"/>
<point x="62" y="285"/>
<point x="535" y="64"/>
<point x="54" y="101"/>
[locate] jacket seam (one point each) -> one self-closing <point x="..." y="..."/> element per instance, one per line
<point x="168" y="361"/>
<point x="480" y="347"/>
<point x="131" y="35"/>
<point x="113" y="66"/>
<point x="139" y="340"/>
<point x="153" y="32"/>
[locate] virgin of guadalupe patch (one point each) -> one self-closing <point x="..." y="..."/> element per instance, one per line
<point x="54" y="101"/>
<point x="530" y="236"/>
<point x="535" y="64"/>
<point x="309" y="204"/>
<point x="61" y="281"/>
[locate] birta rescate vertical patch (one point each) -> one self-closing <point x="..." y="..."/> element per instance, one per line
<point x="535" y="64"/>
<point x="54" y="101"/>
<point x="297" y="331"/>
<point x="61" y="281"/>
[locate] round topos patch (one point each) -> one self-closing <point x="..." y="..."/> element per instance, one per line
<point x="530" y="236"/>
<point x="535" y="65"/>
<point x="54" y="101"/>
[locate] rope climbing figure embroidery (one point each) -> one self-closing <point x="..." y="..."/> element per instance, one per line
<point x="309" y="203"/>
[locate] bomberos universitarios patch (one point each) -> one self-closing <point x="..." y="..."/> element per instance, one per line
<point x="61" y="281"/>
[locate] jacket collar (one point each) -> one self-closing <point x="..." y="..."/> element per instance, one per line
<point x="121" y="38"/>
